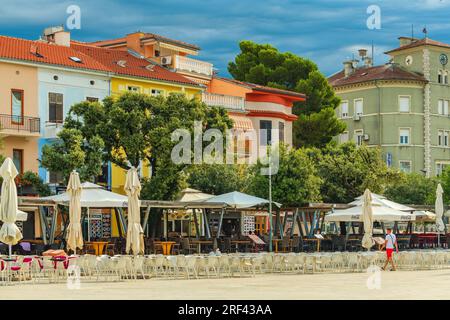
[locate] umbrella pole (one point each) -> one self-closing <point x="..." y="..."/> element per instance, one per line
<point x="89" y="224"/>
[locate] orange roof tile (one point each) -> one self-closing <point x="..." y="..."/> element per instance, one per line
<point x="257" y="87"/>
<point x="146" y="36"/>
<point x="418" y="43"/>
<point x="383" y="72"/>
<point x="46" y="53"/>
<point x="133" y="66"/>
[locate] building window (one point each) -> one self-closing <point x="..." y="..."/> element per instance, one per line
<point x="344" y="109"/>
<point x="344" y="137"/>
<point x="359" y="137"/>
<point x="55" y="177"/>
<point x="156" y="92"/>
<point x="443" y="107"/>
<point x="133" y="89"/>
<point x="441" y="167"/>
<point x="17" y="106"/>
<point x="405" y="136"/>
<point x="265" y="127"/>
<point x="18" y="159"/>
<point x="359" y="107"/>
<point x="281" y="132"/>
<point x="55" y="107"/>
<point x="92" y="99"/>
<point x="405" y="166"/>
<point x="443" y="136"/>
<point x="443" y="77"/>
<point x="404" y="103"/>
<point x="157" y="53"/>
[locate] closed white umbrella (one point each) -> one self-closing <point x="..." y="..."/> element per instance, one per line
<point x="367" y="217"/>
<point x="134" y="232"/>
<point x="439" y="210"/>
<point x="9" y="233"/>
<point x="74" y="232"/>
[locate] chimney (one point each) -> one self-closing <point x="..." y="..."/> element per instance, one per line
<point x="404" y="41"/>
<point x="362" y="53"/>
<point x="368" y="62"/>
<point x="134" y="42"/>
<point x="348" y="68"/>
<point x="57" y="35"/>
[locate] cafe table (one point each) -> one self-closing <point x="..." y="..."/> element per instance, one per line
<point x="241" y="242"/>
<point x="202" y="242"/>
<point x="275" y="242"/>
<point x="98" y="246"/>
<point x="317" y="240"/>
<point x="166" y="246"/>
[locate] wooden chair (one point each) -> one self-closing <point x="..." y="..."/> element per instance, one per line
<point x="187" y="247"/>
<point x="88" y="249"/>
<point x="285" y="244"/>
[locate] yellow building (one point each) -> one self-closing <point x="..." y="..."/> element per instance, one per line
<point x="131" y="73"/>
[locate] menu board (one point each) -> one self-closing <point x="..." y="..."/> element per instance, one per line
<point x="248" y="224"/>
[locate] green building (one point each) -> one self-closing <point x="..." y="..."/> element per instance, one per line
<point x="402" y="106"/>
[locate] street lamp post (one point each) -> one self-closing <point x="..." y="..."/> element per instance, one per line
<point x="270" y="202"/>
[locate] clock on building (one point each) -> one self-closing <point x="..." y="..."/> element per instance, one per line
<point x="409" y="60"/>
<point x="443" y="59"/>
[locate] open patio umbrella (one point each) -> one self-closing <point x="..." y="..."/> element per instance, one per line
<point x="239" y="200"/>
<point x="9" y="233"/>
<point x="74" y="232"/>
<point x="367" y="216"/>
<point x="439" y="210"/>
<point x="134" y="232"/>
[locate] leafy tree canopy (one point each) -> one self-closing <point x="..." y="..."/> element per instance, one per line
<point x="295" y="183"/>
<point x="347" y="170"/>
<point x="413" y="188"/>
<point x="219" y="178"/>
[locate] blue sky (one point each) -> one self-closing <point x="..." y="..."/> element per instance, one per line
<point x="327" y="31"/>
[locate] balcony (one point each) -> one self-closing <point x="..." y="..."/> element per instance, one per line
<point x="231" y="103"/>
<point x="193" y="66"/>
<point x="52" y="128"/>
<point x="19" y="126"/>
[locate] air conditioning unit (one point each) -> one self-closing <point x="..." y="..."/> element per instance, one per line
<point x="357" y="117"/>
<point x="366" y="137"/>
<point x="166" y="61"/>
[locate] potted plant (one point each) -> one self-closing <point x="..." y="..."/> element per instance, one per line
<point x="29" y="184"/>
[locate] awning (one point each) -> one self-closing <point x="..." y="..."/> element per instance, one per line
<point x="241" y="122"/>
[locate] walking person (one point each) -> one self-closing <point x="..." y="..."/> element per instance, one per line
<point x="390" y="243"/>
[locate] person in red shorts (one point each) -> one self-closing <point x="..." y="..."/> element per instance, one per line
<point x="390" y="243"/>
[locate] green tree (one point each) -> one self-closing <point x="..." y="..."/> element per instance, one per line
<point x="347" y="170"/>
<point x="219" y="178"/>
<point x="263" y="64"/>
<point x="295" y="183"/>
<point x="445" y="181"/>
<point x="136" y="129"/>
<point x="413" y="188"/>
<point x="71" y="151"/>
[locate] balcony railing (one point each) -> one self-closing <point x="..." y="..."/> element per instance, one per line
<point x="193" y="65"/>
<point x="20" y="124"/>
<point x="220" y="100"/>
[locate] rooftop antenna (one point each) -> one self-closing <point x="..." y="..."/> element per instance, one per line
<point x="373" y="54"/>
<point x="412" y="31"/>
